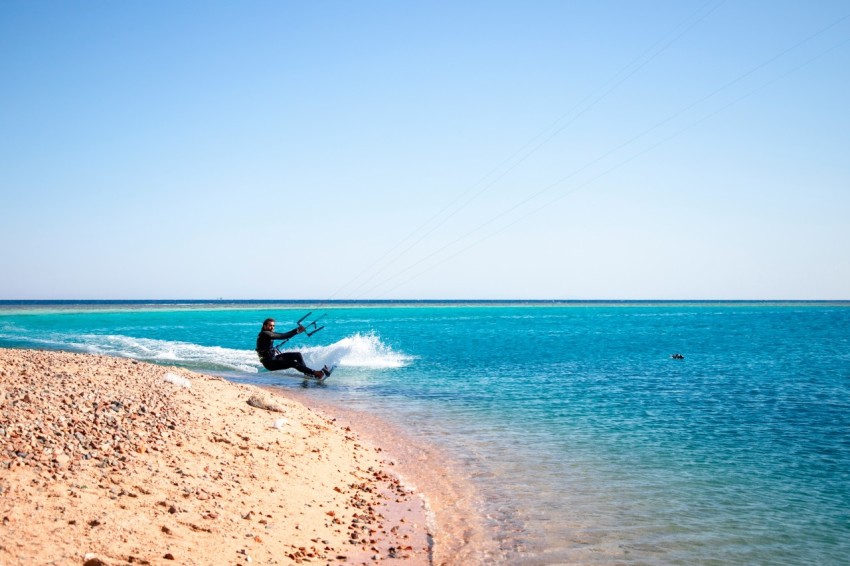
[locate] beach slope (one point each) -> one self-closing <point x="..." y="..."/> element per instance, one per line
<point x="112" y="461"/>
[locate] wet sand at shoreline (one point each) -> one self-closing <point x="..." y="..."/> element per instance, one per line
<point x="112" y="461"/>
<point x="454" y="502"/>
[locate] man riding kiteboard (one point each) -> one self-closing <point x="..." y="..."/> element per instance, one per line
<point x="273" y="360"/>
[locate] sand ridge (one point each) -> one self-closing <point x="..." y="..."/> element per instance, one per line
<point x="104" y="461"/>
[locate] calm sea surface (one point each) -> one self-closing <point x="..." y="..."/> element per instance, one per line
<point x="585" y="440"/>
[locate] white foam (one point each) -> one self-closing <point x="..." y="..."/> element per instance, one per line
<point x="358" y="350"/>
<point x="186" y="353"/>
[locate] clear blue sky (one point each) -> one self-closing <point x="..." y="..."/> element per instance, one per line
<point x="425" y="150"/>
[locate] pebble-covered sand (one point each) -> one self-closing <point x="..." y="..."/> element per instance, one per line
<point x="112" y="461"/>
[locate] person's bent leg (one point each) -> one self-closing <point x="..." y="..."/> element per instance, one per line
<point x="273" y="364"/>
<point x="295" y="360"/>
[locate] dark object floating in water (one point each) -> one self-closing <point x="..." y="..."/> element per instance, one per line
<point x="678" y="357"/>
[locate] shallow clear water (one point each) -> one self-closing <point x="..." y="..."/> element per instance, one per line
<point x="585" y="439"/>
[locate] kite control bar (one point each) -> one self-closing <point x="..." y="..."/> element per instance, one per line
<point x="306" y="327"/>
<point x="313" y="324"/>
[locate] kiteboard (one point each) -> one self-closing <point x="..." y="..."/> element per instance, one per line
<point x="327" y="370"/>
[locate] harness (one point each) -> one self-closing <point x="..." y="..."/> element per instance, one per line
<point x="268" y="354"/>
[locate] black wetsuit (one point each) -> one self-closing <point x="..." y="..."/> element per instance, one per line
<point x="273" y="360"/>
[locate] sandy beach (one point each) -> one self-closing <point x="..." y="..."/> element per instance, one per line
<point x="113" y="461"/>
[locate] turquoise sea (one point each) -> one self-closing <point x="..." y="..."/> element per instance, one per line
<point x="584" y="441"/>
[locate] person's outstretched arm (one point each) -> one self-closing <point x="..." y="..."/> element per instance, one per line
<point x="286" y="335"/>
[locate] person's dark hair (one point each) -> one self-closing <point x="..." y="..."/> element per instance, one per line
<point x="268" y="320"/>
